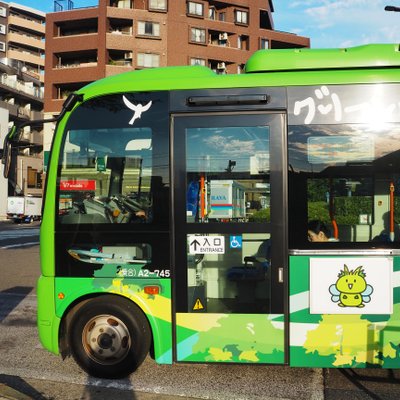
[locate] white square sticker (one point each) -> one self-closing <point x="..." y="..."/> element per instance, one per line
<point x="351" y="285"/>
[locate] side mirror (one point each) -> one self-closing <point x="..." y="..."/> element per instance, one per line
<point x="7" y="159"/>
<point x="6" y="155"/>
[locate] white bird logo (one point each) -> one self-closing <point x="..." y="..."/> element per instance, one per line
<point x="138" y="109"/>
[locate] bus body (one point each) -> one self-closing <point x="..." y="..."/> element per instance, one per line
<point x="132" y="259"/>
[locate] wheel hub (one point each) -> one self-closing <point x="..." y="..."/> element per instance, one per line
<point x="106" y="339"/>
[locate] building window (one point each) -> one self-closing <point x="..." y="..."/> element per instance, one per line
<point x="34" y="179"/>
<point x="198" y="61"/>
<point x="195" y="8"/>
<point x="212" y="14"/>
<point x="221" y="68"/>
<point x="2" y="46"/>
<point x="198" y="35"/>
<point x="2" y="29"/>
<point x="265" y="20"/>
<point x="264" y="43"/>
<point x="222" y="16"/>
<point x="148" y="60"/>
<point x="148" y="28"/>
<point x="159" y="5"/>
<point x="241" y="17"/>
<point x="3" y="12"/>
<point x="124" y="4"/>
<point x="243" y="42"/>
<point x="240" y="68"/>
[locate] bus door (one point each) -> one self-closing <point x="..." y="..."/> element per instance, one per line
<point x="230" y="242"/>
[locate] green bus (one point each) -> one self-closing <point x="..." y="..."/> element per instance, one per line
<point x="180" y="212"/>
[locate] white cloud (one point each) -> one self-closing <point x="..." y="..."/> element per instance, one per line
<point x="229" y="145"/>
<point x="342" y="23"/>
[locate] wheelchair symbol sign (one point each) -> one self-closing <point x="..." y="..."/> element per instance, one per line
<point x="235" y="242"/>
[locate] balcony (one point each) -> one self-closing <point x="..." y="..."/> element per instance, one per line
<point x="25" y="40"/>
<point x="25" y="57"/>
<point x="65" y="89"/>
<point x="21" y="114"/>
<point x="28" y="24"/>
<point x="22" y="87"/>
<point x="217" y="38"/>
<point x="88" y="26"/>
<point x="124" y="4"/>
<point x="34" y="137"/>
<point x="120" y="26"/>
<point x="76" y="64"/>
<point x="16" y="112"/>
<point x="120" y="58"/>
<point x="76" y="59"/>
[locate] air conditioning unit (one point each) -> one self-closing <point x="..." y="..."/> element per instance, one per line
<point x="223" y="36"/>
<point x="221" y="65"/>
<point x="128" y="55"/>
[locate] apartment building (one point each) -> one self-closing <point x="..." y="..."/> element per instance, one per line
<point x="86" y="44"/>
<point x="22" y="34"/>
<point x="22" y="31"/>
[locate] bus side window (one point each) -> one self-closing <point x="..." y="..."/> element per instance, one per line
<point x="341" y="203"/>
<point x="346" y="176"/>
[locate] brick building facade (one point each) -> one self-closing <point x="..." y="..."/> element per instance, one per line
<point x="86" y="44"/>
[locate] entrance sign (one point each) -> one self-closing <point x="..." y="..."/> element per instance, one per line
<point x="206" y="245"/>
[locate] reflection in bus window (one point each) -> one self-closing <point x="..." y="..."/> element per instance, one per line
<point x="105" y="180"/>
<point x="123" y="257"/>
<point x="228" y="174"/>
<point x="348" y="177"/>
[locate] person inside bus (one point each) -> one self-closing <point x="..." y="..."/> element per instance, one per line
<point x="317" y="231"/>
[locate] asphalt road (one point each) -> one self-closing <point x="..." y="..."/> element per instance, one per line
<point x="13" y="236"/>
<point x="27" y="371"/>
<point x="23" y="357"/>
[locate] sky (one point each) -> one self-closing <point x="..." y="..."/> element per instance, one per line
<point x="48" y="5"/>
<point x="328" y="23"/>
<point x="339" y="23"/>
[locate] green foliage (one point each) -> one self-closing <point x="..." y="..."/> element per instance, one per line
<point x="397" y="209"/>
<point x="263" y="215"/>
<point x="319" y="210"/>
<point x="347" y="210"/>
<point x="317" y="189"/>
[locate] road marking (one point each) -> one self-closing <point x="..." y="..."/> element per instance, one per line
<point x="13" y="246"/>
<point x="19" y="232"/>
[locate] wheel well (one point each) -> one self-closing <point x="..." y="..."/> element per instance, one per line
<point x="63" y="341"/>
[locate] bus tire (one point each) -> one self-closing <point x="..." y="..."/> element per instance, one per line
<point x="109" y="337"/>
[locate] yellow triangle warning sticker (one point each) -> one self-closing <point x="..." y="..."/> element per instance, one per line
<point x="198" y="305"/>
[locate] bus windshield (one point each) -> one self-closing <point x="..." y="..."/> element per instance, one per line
<point x="111" y="171"/>
<point x="105" y="178"/>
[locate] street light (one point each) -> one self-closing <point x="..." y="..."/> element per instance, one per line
<point x="392" y="8"/>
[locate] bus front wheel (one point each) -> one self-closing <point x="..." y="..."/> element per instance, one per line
<point x="109" y="337"/>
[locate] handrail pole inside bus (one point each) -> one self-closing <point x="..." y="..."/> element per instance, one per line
<point x="202" y="197"/>
<point x="391" y="212"/>
<point x="331" y="208"/>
